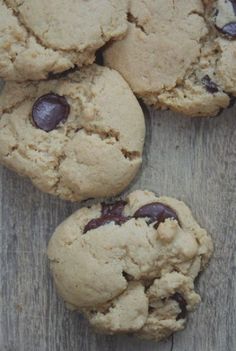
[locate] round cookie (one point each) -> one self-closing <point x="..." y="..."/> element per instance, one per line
<point x="175" y="55"/>
<point x="42" y="37"/>
<point x="77" y="137"/>
<point x="130" y="266"/>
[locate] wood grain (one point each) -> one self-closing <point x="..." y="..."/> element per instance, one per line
<point x="194" y="160"/>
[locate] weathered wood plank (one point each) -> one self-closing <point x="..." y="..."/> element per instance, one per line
<point x="194" y="160"/>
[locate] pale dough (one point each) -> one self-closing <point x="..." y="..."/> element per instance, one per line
<point x="95" y="153"/>
<point x="174" y="57"/>
<point x="42" y="37"/>
<point x="135" y="277"/>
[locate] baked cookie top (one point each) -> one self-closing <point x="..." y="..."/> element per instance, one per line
<point x="76" y="137"/>
<point x="130" y="266"/>
<point x="179" y="54"/>
<point x="42" y="37"/>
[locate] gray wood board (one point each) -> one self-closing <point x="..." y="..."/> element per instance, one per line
<point x="193" y="160"/>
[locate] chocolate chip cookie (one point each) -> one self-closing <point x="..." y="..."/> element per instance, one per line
<point x="42" y="37"/>
<point x="77" y="137"/>
<point x="130" y="266"/>
<point x="179" y="54"/>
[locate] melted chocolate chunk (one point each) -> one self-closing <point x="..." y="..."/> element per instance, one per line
<point x="109" y="213"/>
<point x="210" y="86"/>
<point x="156" y="212"/>
<point x="115" y="209"/>
<point x="98" y="222"/>
<point x="50" y="110"/>
<point x="182" y="305"/>
<point x="229" y="30"/>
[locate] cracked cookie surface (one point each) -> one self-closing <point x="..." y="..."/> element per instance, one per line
<point x="175" y="51"/>
<point x="42" y="37"/>
<point x="130" y="266"/>
<point x="76" y="137"/>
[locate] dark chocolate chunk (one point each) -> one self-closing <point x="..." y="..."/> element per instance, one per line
<point x="156" y="212"/>
<point x="98" y="222"/>
<point x="109" y="213"/>
<point x="182" y="305"/>
<point x="229" y="30"/>
<point x="115" y="209"/>
<point x="210" y="86"/>
<point x="50" y="110"/>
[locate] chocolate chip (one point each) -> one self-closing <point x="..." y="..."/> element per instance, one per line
<point x="229" y="30"/>
<point x="156" y="212"/>
<point x="98" y="222"/>
<point x="109" y="213"/>
<point x="49" y="110"/>
<point x="182" y="305"/>
<point x="210" y="86"/>
<point x="115" y="209"/>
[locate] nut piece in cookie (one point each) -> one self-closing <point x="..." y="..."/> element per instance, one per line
<point x="130" y="266"/>
<point x="76" y="137"/>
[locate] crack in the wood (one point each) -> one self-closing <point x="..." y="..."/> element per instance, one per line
<point x="172" y="343"/>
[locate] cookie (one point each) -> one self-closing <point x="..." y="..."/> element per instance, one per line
<point x="77" y="137"/>
<point x="42" y="37"/>
<point x="179" y="54"/>
<point x="130" y="266"/>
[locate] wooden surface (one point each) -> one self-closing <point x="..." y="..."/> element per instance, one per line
<point x="194" y="160"/>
